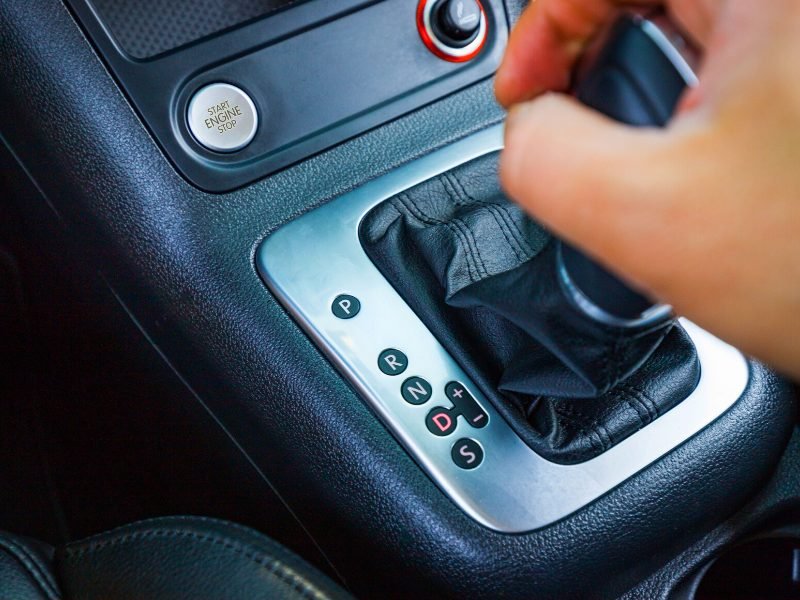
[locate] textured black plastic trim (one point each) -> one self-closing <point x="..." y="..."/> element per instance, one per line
<point x="147" y="28"/>
<point x="319" y="72"/>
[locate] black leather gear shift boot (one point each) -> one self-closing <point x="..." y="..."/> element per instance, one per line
<point x="482" y="276"/>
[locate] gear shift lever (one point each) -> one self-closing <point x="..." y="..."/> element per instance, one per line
<point x="572" y="356"/>
<point x="637" y="78"/>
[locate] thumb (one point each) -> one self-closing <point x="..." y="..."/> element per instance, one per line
<point x="601" y="185"/>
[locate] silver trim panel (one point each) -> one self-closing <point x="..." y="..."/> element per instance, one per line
<point x="310" y="261"/>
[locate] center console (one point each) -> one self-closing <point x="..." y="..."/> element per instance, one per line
<point x="318" y="269"/>
<point x="524" y="378"/>
<point x="254" y="265"/>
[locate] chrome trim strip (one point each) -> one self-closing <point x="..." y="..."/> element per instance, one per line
<point x="311" y="260"/>
<point x="673" y="54"/>
<point x="654" y="314"/>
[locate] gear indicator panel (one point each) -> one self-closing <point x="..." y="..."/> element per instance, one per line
<point x="316" y="267"/>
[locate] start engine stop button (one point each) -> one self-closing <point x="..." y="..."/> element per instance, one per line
<point x="222" y="117"/>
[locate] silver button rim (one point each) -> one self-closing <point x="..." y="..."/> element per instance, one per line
<point x="466" y="51"/>
<point x="210" y="143"/>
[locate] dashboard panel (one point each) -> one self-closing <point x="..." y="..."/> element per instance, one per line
<point x="312" y="76"/>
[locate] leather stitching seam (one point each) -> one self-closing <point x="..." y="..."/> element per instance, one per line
<point x="417" y="213"/>
<point x="496" y="209"/>
<point x="461" y="238"/>
<point x="646" y="401"/>
<point x="599" y="433"/>
<point x="629" y="400"/>
<point x="609" y="441"/>
<point x="282" y="572"/>
<point x="32" y="566"/>
<point x="468" y="233"/>
<point x="646" y="406"/>
<point x="463" y="225"/>
<point x="458" y="190"/>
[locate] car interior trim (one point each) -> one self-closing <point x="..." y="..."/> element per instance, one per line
<point x="311" y="262"/>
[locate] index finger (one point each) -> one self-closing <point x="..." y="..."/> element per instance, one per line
<point x="547" y="41"/>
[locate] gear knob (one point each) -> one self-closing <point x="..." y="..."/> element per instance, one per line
<point x="637" y="77"/>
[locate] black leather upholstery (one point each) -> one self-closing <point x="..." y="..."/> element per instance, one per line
<point x="166" y="558"/>
<point x="483" y="277"/>
<point x="26" y="569"/>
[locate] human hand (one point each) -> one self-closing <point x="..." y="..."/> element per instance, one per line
<point x="704" y="214"/>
